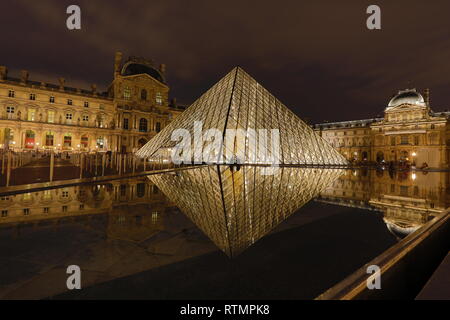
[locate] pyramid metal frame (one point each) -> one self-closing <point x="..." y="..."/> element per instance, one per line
<point x="238" y="101"/>
<point x="235" y="208"/>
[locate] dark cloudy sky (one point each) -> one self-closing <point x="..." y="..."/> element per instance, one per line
<point x="316" y="56"/>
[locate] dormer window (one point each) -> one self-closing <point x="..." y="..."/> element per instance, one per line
<point x="127" y="93"/>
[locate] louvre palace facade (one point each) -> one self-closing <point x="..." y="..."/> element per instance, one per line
<point x="42" y="116"/>
<point x="410" y="132"/>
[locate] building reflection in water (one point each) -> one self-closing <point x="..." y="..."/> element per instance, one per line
<point x="407" y="199"/>
<point x="132" y="209"/>
<point x="234" y="206"/>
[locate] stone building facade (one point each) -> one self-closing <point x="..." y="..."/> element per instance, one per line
<point x="41" y="116"/>
<point x="409" y="132"/>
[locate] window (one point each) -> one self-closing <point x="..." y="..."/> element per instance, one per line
<point x="125" y="123"/>
<point x="416" y="140"/>
<point x="49" y="139"/>
<point x="123" y="190"/>
<point x="26" y="211"/>
<point x="46" y="210"/>
<point x="392" y="188"/>
<point x="47" y="195"/>
<point x="140" y="190"/>
<point x="65" y="194"/>
<point x="404" y="139"/>
<point x="159" y="98"/>
<point x="100" y="142"/>
<point x="31" y="114"/>
<point x="143" y="94"/>
<point x="433" y="126"/>
<point x="64" y="208"/>
<point x="68" y="118"/>
<point x="404" y="191"/>
<point x="86" y="104"/>
<point x="11" y="94"/>
<point x="51" y="117"/>
<point x="392" y="141"/>
<point x="126" y="93"/>
<point x="85" y="118"/>
<point x="158" y="127"/>
<point x="52" y="99"/>
<point x="67" y="141"/>
<point x="101" y="121"/>
<point x="82" y="206"/>
<point x="143" y="125"/>
<point x="10" y="112"/>
<point x="4" y="213"/>
<point x="32" y="96"/>
<point x="102" y="107"/>
<point x="27" y="196"/>
<point x="69" y="102"/>
<point x="84" y="141"/>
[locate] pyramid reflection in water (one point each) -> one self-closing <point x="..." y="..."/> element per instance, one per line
<point x="239" y="102"/>
<point x="235" y="208"/>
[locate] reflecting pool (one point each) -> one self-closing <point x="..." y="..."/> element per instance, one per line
<point x="211" y="232"/>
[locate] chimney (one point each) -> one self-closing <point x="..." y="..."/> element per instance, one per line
<point x="62" y="83"/>
<point x="3" y="72"/>
<point x="24" y="76"/>
<point x="162" y="68"/>
<point x="43" y="84"/>
<point x="174" y="102"/>
<point x="427" y="96"/>
<point x="94" y="88"/>
<point x="117" y="63"/>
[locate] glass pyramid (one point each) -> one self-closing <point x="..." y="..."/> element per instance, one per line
<point x="236" y="207"/>
<point x="238" y="102"/>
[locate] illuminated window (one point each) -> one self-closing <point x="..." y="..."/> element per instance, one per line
<point x="127" y="93"/>
<point x="47" y="195"/>
<point x="31" y="114"/>
<point x="51" y="116"/>
<point x="159" y="100"/>
<point x="100" y="142"/>
<point x="49" y="139"/>
<point x="27" y="196"/>
<point x="67" y="140"/>
<point x="84" y="141"/>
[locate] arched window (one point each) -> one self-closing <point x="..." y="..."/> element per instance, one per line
<point x="143" y="94"/>
<point x="143" y="125"/>
<point x="67" y="140"/>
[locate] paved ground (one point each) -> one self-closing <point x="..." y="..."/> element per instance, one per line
<point x="39" y="171"/>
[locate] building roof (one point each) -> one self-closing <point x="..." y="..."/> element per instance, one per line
<point x="408" y="96"/>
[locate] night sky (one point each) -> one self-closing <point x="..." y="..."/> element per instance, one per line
<point x="317" y="57"/>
